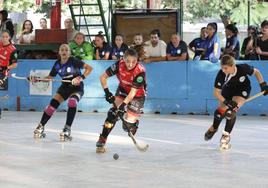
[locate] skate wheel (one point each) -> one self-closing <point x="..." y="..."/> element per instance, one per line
<point x="38" y="136"/>
<point x="65" y="139"/>
<point x="225" y="147"/>
<point x="101" y="150"/>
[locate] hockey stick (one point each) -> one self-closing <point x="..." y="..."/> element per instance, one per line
<point x="255" y="96"/>
<point x="142" y="146"/>
<point x="39" y="79"/>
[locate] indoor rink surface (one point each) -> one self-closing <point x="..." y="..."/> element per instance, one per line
<point x="178" y="156"/>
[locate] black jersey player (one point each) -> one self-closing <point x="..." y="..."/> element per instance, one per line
<point x="231" y="88"/>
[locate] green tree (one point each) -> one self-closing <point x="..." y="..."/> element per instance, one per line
<point x="18" y="6"/>
<point x="235" y="10"/>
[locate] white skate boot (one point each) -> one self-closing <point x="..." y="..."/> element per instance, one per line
<point x="224" y="142"/>
<point x="39" y="132"/>
<point x="65" y="135"/>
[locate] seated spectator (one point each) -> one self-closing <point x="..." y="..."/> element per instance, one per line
<point x="138" y="45"/>
<point x="43" y="23"/>
<point x="155" y="49"/>
<point x="232" y="46"/>
<point x="177" y="49"/>
<point x="119" y="48"/>
<point x="6" y="23"/>
<point x="198" y="44"/>
<point x="261" y="47"/>
<point x="80" y="48"/>
<point x="212" y="46"/>
<point x="102" y="48"/>
<point x="27" y="35"/>
<point x="71" y="32"/>
<point x="252" y="31"/>
<point x="262" y="42"/>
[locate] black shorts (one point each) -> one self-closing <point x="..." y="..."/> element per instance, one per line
<point x="66" y="90"/>
<point x="135" y="106"/>
<point x="230" y="93"/>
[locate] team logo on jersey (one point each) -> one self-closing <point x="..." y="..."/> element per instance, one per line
<point x="140" y="79"/>
<point x="244" y="93"/>
<point x="219" y="84"/>
<point x="69" y="69"/>
<point x="113" y="67"/>
<point x="179" y="51"/>
<point x="242" y="78"/>
<point x="102" y="52"/>
<point x="121" y="53"/>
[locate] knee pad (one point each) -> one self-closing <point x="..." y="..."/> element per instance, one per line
<point x="230" y="114"/>
<point x="219" y="113"/>
<point x="128" y="126"/>
<point x="72" y="102"/>
<point x="52" y="107"/>
<point x="111" y="116"/>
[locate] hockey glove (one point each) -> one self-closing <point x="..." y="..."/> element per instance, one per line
<point x="230" y="104"/>
<point x="77" y="80"/>
<point x="264" y="88"/>
<point x="109" y="96"/>
<point x="121" y="110"/>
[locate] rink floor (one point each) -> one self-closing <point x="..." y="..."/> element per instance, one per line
<point x="178" y="156"/>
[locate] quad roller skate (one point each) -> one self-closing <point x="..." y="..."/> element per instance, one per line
<point x="65" y="135"/>
<point x="100" y="145"/>
<point x="39" y="132"/>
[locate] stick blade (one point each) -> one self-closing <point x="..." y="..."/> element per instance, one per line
<point x="143" y="147"/>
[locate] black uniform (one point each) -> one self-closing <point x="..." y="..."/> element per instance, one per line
<point x="237" y="84"/>
<point x="68" y="71"/>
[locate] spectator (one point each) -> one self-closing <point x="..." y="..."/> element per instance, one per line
<point x="177" y="49"/>
<point x="252" y="30"/>
<point x="198" y="44"/>
<point x="27" y="35"/>
<point x="155" y="49"/>
<point x="102" y="48"/>
<point x="119" y="48"/>
<point x="81" y="48"/>
<point x="232" y="46"/>
<point x="71" y="32"/>
<point x="6" y="23"/>
<point x="262" y="42"/>
<point x="212" y="46"/>
<point x="261" y="47"/>
<point x="43" y="23"/>
<point x="138" y="45"/>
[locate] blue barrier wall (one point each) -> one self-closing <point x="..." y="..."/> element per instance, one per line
<point x="173" y="87"/>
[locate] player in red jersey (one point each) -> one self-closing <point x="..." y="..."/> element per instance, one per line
<point x="129" y="98"/>
<point x="8" y="56"/>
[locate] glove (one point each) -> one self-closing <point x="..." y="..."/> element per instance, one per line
<point x="264" y="88"/>
<point x="109" y="96"/>
<point x="77" y="80"/>
<point x="121" y="110"/>
<point x="230" y="104"/>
